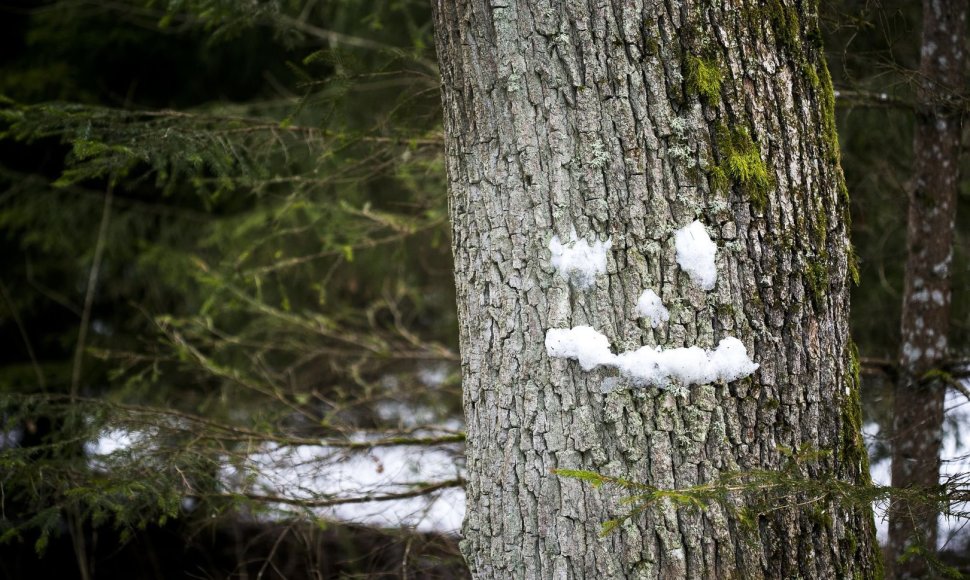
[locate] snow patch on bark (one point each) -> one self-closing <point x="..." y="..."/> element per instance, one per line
<point x="695" y="254"/>
<point x="652" y="365"/>
<point x="650" y="306"/>
<point x="579" y="261"/>
<point x="581" y="343"/>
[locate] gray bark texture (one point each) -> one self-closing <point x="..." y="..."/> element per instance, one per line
<point x="627" y="120"/>
<point x="918" y="402"/>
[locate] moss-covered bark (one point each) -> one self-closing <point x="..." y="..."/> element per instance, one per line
<point x="607" y="118"/>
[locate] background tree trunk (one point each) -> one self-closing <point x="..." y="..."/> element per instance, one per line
<point x="918" y="401"/>
<point x="629" y="120"/>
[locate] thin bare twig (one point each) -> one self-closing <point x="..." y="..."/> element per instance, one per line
<point x="238" y="433"/>
<point x="272" y="552"/>
<point x="367" y="498"/>
<point x="89" y="294"/>
<point x="857" y="98"/>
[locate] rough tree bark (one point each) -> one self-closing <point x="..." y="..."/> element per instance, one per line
<point x="918" y="402"/>
<point x="628" y="120"/>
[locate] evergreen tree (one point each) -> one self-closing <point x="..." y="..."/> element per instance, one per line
<point x="223" y="240"/>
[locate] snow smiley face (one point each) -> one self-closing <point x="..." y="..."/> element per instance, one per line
<point x="648" y="365"/>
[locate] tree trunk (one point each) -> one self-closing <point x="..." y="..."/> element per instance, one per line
<point x="918" y="401"/>
<point x="629" y="120"/>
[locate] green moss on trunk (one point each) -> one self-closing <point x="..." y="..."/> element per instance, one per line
<point x="741" y="162"/>
<point x="704" y="78"/>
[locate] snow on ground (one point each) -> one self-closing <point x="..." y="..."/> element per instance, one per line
<point x="433" y="376"/>
<point x="10" y="438"/>
<point x="305" y="472"/>
<point x="879" y="470"/>
<point x="956" y="462"/>
<point x="111" y="441"/>
<point x="955" y="457"/>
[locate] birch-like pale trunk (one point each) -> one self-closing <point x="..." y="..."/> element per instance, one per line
<point x="623" y="119"/>
<point x="919" y="395"/>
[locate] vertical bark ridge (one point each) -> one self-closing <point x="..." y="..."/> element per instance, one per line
<point x="578" y="114"/>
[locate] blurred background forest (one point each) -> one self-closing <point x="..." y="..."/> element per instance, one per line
<point x="226" y="297"/>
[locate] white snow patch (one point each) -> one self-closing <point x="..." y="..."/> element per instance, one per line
<point x="650" y="305"/>
<point x="112" y="440"/>
<point x="433" y="376"/>
<point x="579" y="261"/>
<point x="324" y="472"/>
<point x="954" y="464"/>
<point x="306" y="472"/>
<point x="10" y="438"/>
<point x="652" y="365"/>
<point x="687" y="366"/>
<point x="881" y="475"/>
<point x="405" y="414"/>
<point x="581" y="343"/>
<point x="695" y="254"/>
